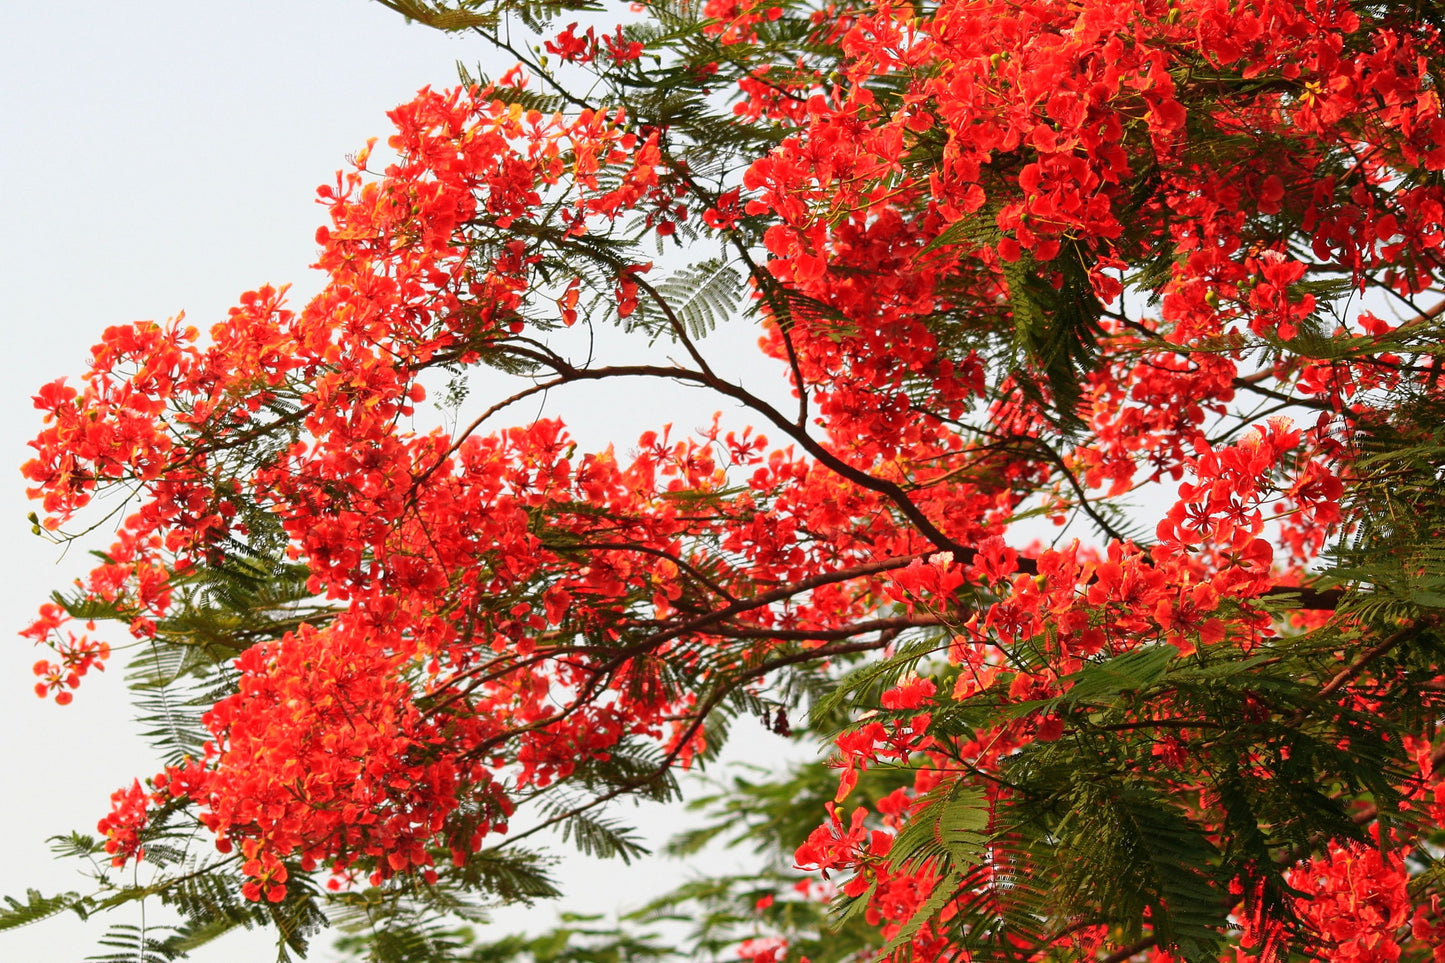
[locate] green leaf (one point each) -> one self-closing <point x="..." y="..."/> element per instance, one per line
<point x="1103" y="682"/>
<point x="37" y="907"/>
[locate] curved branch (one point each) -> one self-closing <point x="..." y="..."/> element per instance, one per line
<point x="675" y="559"/>
<point x="811" y="445"/>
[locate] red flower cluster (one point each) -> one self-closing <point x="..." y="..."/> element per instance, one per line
<point x="959" y="207"/>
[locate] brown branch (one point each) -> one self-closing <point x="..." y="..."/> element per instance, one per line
<point x="776" y="595"/>
<point x="842" y="632"/>
<point x="1281" y="396"/>
<point x="1133" y="949"/>
<point x="1368" y="656"/>
<point x="675" y="559"/>
<point x="1324" y="600"/>
<point x="890" y="490"/>
<point x="477" y="423"/>
<point x="691" y="731"/>
<point x="603" y="672"/>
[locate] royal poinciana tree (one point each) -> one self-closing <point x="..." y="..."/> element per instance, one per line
<point x="1163" y="273"/>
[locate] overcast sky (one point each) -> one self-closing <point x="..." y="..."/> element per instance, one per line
<point x="158" y="157"/>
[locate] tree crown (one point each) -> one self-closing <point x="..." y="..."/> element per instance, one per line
<point x="1160" y="273"/>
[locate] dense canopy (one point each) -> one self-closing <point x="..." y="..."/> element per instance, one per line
<point x="1100" y="534"/>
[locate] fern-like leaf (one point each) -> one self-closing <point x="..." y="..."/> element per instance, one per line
<point x="37" y="907"/>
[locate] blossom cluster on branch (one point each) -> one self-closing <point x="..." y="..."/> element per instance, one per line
<point x="1055" y="260"/>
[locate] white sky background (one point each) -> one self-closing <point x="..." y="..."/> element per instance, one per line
<point x="158" y="157"/>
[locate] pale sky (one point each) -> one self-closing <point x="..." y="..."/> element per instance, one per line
<point x="159" y="156"/>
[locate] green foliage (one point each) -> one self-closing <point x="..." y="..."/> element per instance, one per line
<point x="459" y="15"/>
<point x="511" y="875"/>
<point x="769" y="814"/>
<point x="1052" y="328"/>
<point x="1056" y="331"/>
<point x="580" y="939"/>
<point x="863" y="685"/>
<point x="38" y="907"/>
<point x="133" y="944"/>
<point x="599" y="836"/>
<point x="390" y="926"/>
<point x="695" y="299"/>
<point x="946" y="839"/>
<point x="1089" y="827"/>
